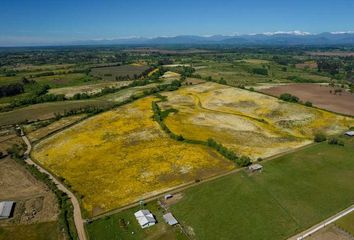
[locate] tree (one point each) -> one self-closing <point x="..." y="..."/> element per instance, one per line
<point x="320" y="137"/>
<point x="289" y="98"/>
<point x="243" y="161"/>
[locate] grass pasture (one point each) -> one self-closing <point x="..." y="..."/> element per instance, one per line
<point x="249" y="123"/>
<point x="39" y="231"/>
<point x="121" y="225"/>
<point x="293" y="193"/>
<point x="111" y="73"/>
<point x="120" y="156"/>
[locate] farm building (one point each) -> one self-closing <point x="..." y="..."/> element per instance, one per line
<point x="255" y="167"/>
<point x="6" y="209"/>
<point x="349" y="133"/>
<point x="168" y="196"/>
<point x="145" y="218"/>
<point x="170" y="219"/>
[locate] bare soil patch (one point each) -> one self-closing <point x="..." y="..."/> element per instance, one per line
<point x="319" y="95"/>
<point x="34" y="201"/>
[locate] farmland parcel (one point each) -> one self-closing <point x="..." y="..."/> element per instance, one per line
<point x="249" y="123"/>
<point x="121" y="156"/>
<point x="294" y="192"/>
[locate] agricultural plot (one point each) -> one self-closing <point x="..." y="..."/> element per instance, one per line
<point x="88" y="89"/>
<point x="240" y="72"/>
<point x="36" y="208"/>
<point x="115" y="72"/>
<point x="322" y="96"/>
<point x="53" y="127"/>
<point x="291" y="194"/>
<point x="121" y="156"/>
<point x="249" y="123"/>
<point x="47" y="110"/>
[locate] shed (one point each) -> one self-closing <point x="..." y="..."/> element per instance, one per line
<point x="170" y="219"/>
<point x="145" y="218"/>
<point x="168" y="196"/>
<point x="255" y="167"/>
<point x="6" y="209"/>
<point x="349" y="133"/>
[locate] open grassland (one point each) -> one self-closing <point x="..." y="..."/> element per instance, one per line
<point x="249" y="123"/>
<point x="39" y="231"/>
<point x="47" y="110"/>
<point x="111" y="73"/>
<point x="121" y="225"/>
<point x="118" y="157"/>
<point x="291" y="194"/>
<point x="88" y="89"/>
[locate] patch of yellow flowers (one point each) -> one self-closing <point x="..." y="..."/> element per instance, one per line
<point x="250" y="123"/>
<point x="121" y="156"/>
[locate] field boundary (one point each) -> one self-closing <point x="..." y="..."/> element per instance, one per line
<point x="322" y="224"/>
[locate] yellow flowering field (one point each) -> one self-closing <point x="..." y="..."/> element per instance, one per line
<point x="250" y="123"/>
<point x="121" y="156"/>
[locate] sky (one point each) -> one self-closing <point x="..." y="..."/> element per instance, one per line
<point x="30" y="22"/>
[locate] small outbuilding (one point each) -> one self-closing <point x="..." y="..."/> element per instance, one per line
<point x="145" y="218"/>
<point x="168" y="196"/>
<point x="6" y="209"/>
<point x="170" y="219"/>
<point x="255" y="167"/>
<point x="349" y="133"/>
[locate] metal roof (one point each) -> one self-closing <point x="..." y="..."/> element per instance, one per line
<point x="6" y="208"/>
<point x="170" y="219"/>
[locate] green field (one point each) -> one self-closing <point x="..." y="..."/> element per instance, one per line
<point x="39" y="231"/>
<point x="292" y="193"/>
<point x="111" y="73"/>
<point x="240" y="72"/>
<point x="121" y="225"/>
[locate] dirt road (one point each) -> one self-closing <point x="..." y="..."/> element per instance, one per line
<point x="323" y="224"/>
<point x="79" y="222"/>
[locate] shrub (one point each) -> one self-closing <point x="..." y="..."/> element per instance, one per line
<point x="308" y="103"/>
<point x="243" y="161"/>
<point x="289" y="98"/>
<point x="260" y="71"/>
<point x="335" y="141"/>
<point x="320" y="137"/>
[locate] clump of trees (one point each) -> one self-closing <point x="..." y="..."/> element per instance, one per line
<point x="260" y="71"/>
<point x="320" y="137"/>
<point x="11" y="89"/>
<point x="289" y="98"/>
<point x="335" y="141"/>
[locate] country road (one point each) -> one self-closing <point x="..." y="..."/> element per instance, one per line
<point x="79" y="222"/>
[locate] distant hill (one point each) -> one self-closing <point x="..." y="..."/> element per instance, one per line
<point x="277" y="38"/>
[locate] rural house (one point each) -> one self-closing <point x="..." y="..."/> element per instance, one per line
<point x="170" y="219"/>
<point x="6" y="209"/>
<point x="145" y="218"/>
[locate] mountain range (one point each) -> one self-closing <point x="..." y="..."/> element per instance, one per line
<point x="277" y="38"/>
